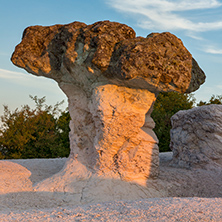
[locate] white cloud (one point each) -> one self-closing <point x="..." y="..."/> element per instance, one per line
<point x="219" y="86"/>
<point x="194" y="36"/>
<point x="165" y="14"/>
<point x="29" y="80"/>
<point x="213" y="50"/>
<point x="15" y="88"/>
<point x="7" y="74"/>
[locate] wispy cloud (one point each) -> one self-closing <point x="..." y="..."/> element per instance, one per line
<point x="219" y="86"/>
<point x="166" y="14"/>
<point x="194" y="36"/>
<point x="213" y="50"/>
<point x="28" y="80"/>
<point x="19" y="85"/>
<point x="7" y="74"/>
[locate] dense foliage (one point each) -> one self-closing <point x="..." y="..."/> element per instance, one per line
<point x="166" y="105"/>
<point x="34" y="133"/>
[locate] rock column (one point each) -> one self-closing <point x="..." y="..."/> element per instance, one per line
<point x="111" y="79"/>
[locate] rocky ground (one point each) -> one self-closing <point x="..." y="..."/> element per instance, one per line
<point x="176" y="195"/>
<point x="155" y="209"/>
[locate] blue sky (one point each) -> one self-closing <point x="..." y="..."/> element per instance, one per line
<point x="198" y="23"/>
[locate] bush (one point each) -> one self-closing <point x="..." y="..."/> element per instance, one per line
<point x="166" y="105"/>
<point x="34" y="133"/>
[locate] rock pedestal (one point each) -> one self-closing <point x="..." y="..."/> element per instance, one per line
<point x="111" y="79"/>
<point x="112" y="130"/>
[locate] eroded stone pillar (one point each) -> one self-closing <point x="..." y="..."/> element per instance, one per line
<point x="110" y="77"/>
<point x="112" y="130"/>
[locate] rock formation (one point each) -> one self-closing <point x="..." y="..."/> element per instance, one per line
<point x="111" y="79"/>
<point x="196" y="137"/>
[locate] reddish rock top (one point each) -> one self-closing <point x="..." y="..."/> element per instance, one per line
<point x="159" y="62"/>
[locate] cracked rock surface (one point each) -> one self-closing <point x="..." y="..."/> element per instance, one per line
<point x="111" y="79"/>
<point x="196" y="137"/>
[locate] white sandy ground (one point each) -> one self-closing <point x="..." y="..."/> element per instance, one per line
<point x="189" y="196"/>
<point x="159" y="209"/>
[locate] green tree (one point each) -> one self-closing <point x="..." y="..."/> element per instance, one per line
<point x="63" y="134"/>
<point x="166" y="105"/>
<point x="34" y="133"/>
<point x="213" y="100"/>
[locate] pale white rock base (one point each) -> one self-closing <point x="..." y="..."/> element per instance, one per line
<point x="82" y="186"/>
<point x="21" y="181"/>
<point x="113" y="148"/>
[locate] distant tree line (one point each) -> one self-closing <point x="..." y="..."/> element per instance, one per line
<point x="43" y="132"/>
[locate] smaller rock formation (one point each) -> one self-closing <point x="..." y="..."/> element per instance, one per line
<point x="196" y="137"/>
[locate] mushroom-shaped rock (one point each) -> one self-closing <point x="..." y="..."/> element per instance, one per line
<point x="111" y="79"/>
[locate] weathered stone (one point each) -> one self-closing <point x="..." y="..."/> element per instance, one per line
<point x="159" y="62"/>
<point x="111" y="79"/>
<point x="112" y="130"/>
<point x="196" y="137"/>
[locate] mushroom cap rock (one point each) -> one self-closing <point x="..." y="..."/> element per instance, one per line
<point x="158" y="63"/>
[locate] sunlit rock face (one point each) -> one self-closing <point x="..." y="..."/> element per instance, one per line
<point x="111" y="79"/>
<point x="196" y="137"/>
